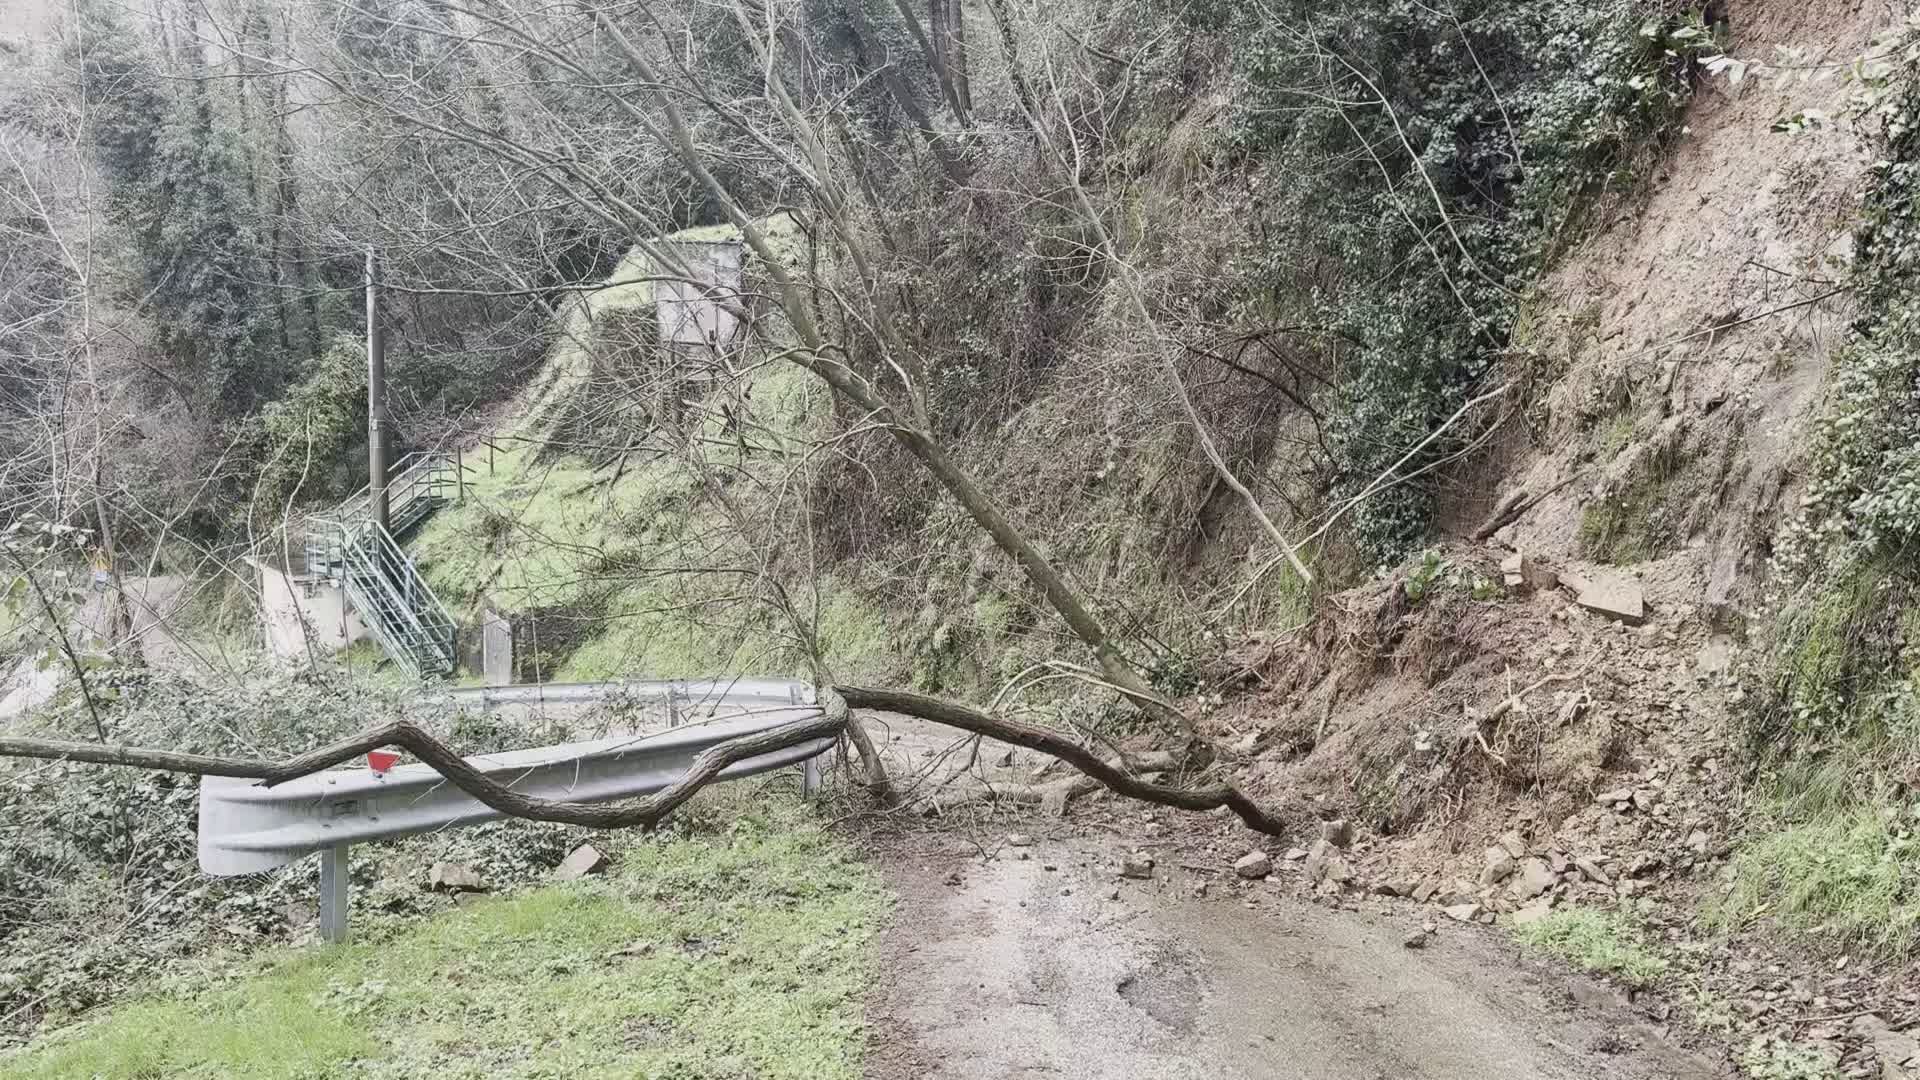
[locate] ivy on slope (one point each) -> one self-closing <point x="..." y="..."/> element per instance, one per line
<point x="1423" y="167"/>
<point x="1847" y="641"/>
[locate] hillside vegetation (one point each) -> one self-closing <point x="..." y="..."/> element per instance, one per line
<point x="1176" y="373"/>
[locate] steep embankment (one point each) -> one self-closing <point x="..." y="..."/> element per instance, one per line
<point x="1680" y="352"/>
<point x="611" y="547"/>
<point x="1509" y="748"/>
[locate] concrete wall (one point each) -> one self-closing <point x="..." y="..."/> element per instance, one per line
<point x="287" y="600"/>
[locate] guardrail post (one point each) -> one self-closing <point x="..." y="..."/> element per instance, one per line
<point x="810" y="776"/>
<point x="334" y="895"/>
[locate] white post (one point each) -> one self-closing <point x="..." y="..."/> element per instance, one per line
<point x="333" y="894"/>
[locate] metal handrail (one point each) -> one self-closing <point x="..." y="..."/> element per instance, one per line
<point x="384" y="546"/>
<point x="361" y="548"/>
<point x="352" y="578"/>
<point x="405" y="479"/>
<point x="400" y="609"/>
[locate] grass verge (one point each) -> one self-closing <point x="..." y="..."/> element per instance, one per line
<point x="1601" y="941"/>
<point x="1840" y="858"/>
<point x="740" y="954"/>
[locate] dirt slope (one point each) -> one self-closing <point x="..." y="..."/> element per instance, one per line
<point x="1693" y="332"/>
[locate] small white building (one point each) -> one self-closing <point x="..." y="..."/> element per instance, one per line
<point x="695" y="313"/>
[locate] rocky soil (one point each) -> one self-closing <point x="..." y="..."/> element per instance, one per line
<point x="1528" y="736"/>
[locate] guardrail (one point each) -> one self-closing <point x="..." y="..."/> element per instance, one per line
<point x="246" y="828"/>
<point x="683" y="697"/>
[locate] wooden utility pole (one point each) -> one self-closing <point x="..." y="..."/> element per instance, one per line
<point x="376" y="400"/>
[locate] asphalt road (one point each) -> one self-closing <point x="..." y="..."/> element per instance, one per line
<point x="1003" y="967"/>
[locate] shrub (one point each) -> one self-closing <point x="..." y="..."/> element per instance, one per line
<point x="1408" y="229"/>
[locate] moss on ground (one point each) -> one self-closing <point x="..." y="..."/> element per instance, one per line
<point x="741" y="954"/>
<point x="1774" y="1058"/>
<point x="636" y="548"/>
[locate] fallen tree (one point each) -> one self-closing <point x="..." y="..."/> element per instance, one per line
<point x="648" y="811"/>
<point x="1111" y="774"/>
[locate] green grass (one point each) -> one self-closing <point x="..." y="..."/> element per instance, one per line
<point x="1616" y="436"/>
<point x="1601" y="941"/>
<point x="742" y="954"/>
<point x="1837" y="652"/>
<point x="1850" y="874"/>
<point x="644" y="556"/>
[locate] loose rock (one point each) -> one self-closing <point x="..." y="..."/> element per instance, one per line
<point x="1138" y="867"/>
<point x="1615" y="598"/>
<point x="1500" y="867"/>
<point x="1316" y="864"/>
<point x="1535" y="878"/>
<point x="1899" y="1052"/>
<point x="1592" y="872"/>
<point x="583" y="860"/>
<point x="1534" y="912"/>
<point x="1253" y="865"/>
<point x="454" y="878"/>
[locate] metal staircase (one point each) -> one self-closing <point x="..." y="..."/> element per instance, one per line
<point x="386" y="589"/>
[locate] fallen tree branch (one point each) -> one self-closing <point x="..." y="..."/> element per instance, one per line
<point x="648" y="811"/>
<point x="1048" y="741"/>
<point x="1516" y="503"/>
<point x="132" y="756"/>
<point x="644" y="812"/>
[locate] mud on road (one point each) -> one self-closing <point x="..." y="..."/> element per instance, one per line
<point x="1041" y="962"/>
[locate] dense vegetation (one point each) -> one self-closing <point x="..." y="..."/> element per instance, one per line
<point x="1408" y="174"/>
<point x="1849" y="644"/>
<point x="1835" y="724"/>
<point x="1407" y="231"/>
<point x="1062" y="315"/>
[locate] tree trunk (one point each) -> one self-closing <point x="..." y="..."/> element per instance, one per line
<point x="818" y="358"/>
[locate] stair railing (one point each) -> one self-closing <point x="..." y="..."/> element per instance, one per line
<point x="392" y="598"/>
<point x="423" y="474"/>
